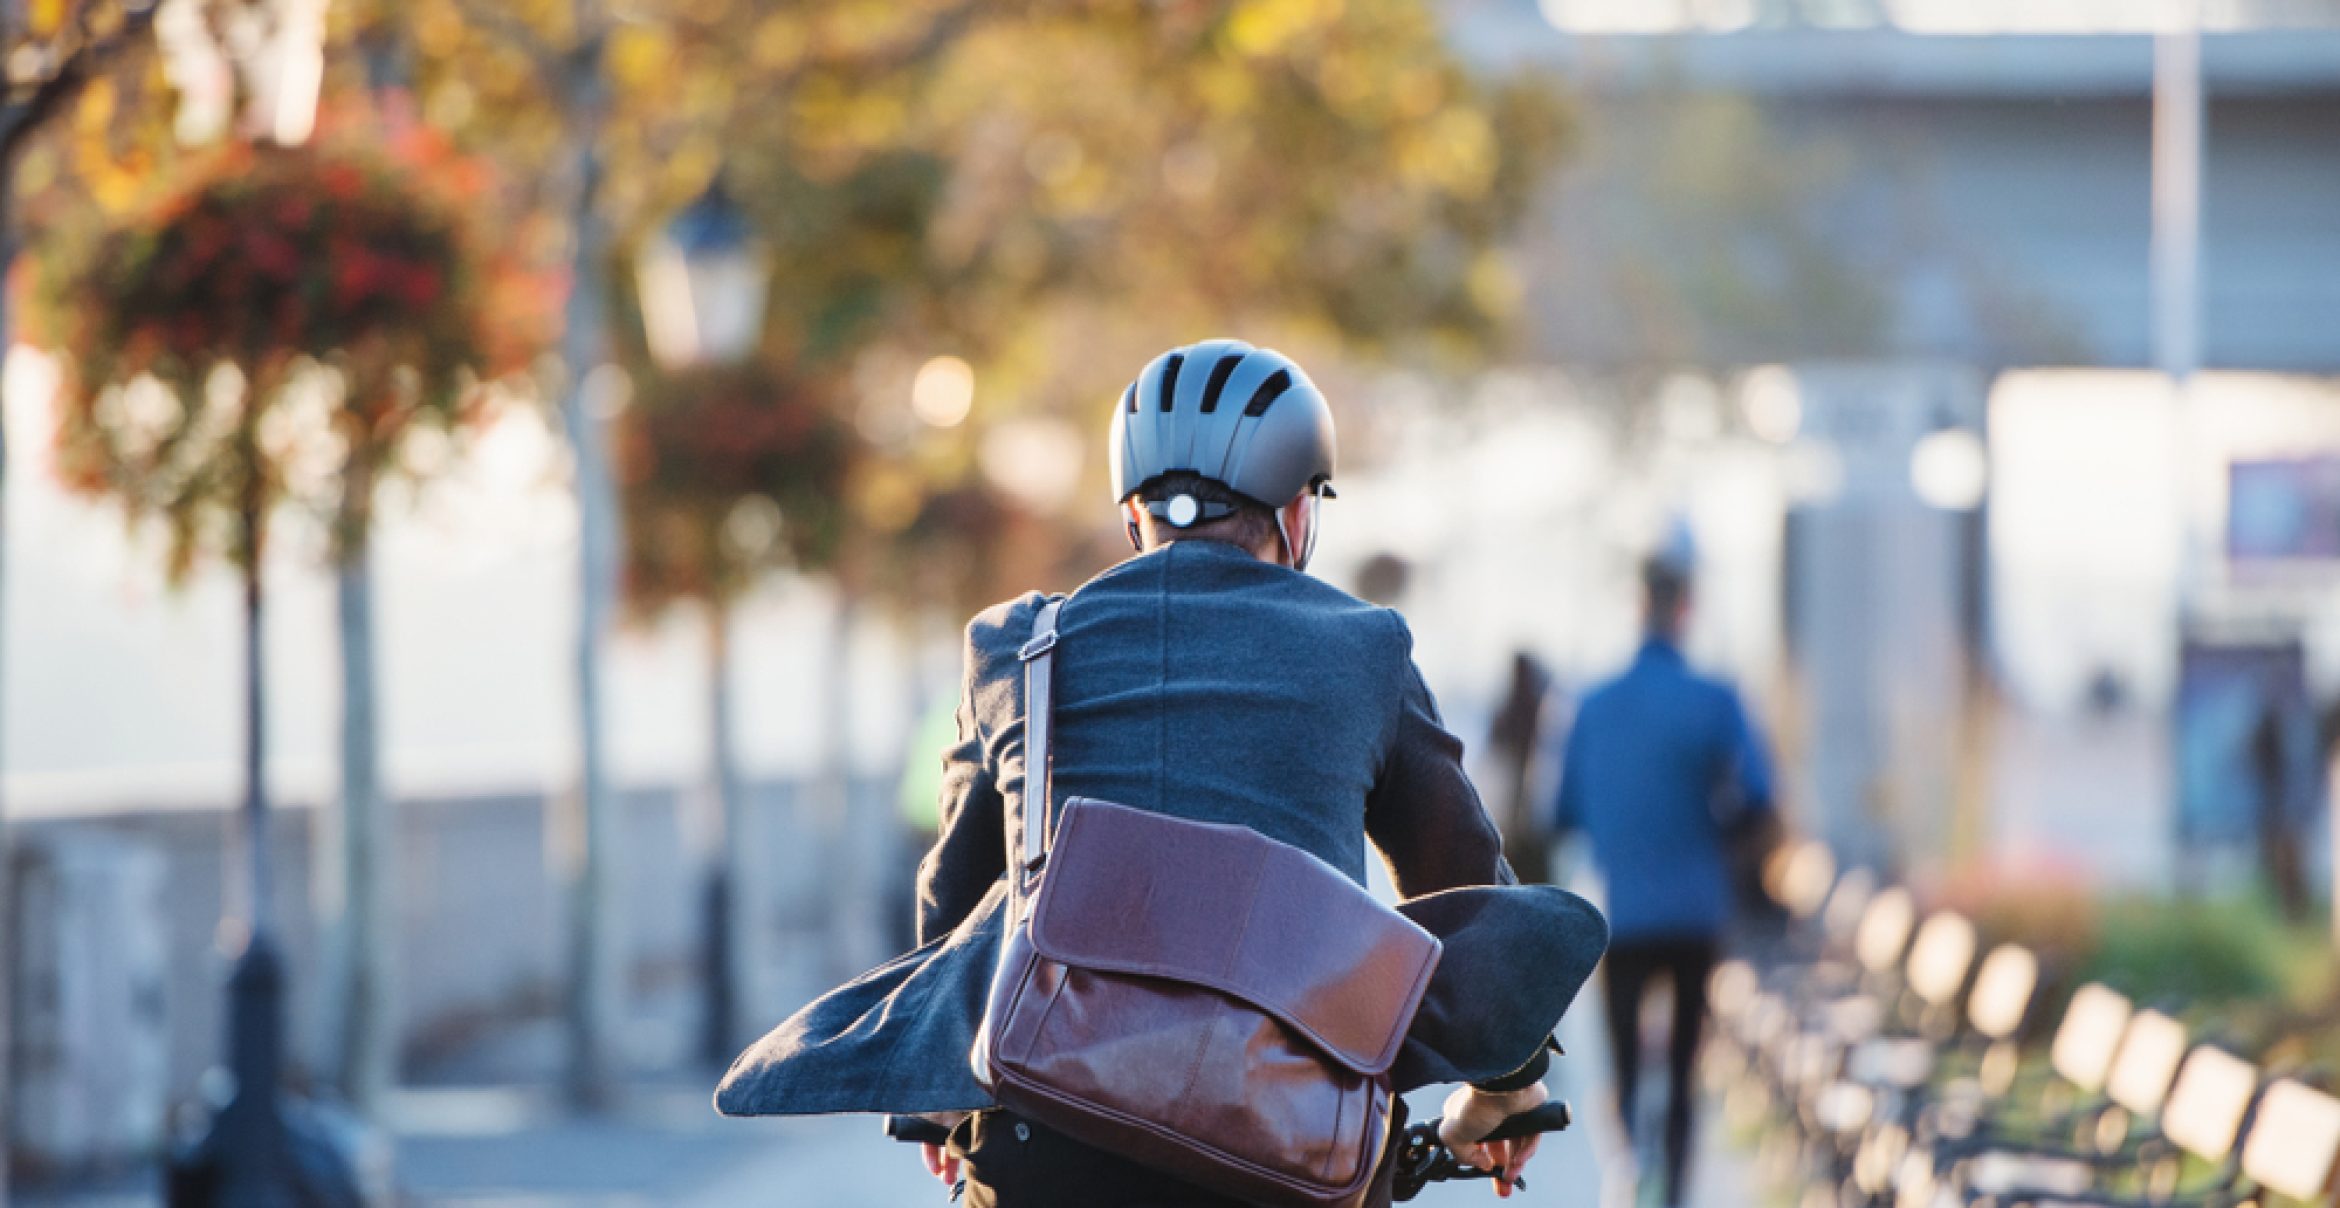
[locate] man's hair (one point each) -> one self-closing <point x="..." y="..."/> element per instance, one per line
<point x="1666" y="585"/>
<point x="1250" y="525"/>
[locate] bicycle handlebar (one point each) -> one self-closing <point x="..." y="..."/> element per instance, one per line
<point x="1422" y="1159"/>
<point x="1549" y="1118"/>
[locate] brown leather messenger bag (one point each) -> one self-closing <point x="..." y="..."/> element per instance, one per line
<point x="1195" y="997"/>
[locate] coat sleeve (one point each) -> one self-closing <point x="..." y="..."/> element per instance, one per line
<point x="1423" y="815"/>
<point x="1427" y="822"/>
<point x="970" y="847"/>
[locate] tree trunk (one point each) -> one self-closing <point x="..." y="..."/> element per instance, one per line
<point x="595" y="998"/>
<point x="857" y="918"/>
<point x="726" y="930"/>
<point x="354" y="845"/>
<point x="260" y="879"/>
<point x="7" y="858"/>
<point x="248" y="1133"/>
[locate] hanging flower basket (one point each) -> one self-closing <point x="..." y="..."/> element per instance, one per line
<point x="727" y="473"/>
<point x="183" y="323"/>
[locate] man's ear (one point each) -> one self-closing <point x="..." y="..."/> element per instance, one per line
<point x="1130" y="511"/>
<point x="1296" y="523"/>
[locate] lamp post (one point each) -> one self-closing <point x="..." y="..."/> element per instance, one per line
<point x="703" y="279"/>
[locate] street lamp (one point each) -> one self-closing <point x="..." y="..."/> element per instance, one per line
<point x="1950" y="468"/>
<point x="703" y="278"/>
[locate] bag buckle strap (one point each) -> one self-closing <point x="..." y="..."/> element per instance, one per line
<point x="1039" y="720"/>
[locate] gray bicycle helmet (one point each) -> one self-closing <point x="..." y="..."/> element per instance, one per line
<point x="1247" y="418"/>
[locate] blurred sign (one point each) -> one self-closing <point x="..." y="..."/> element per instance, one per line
<point x="2283" y="509"/>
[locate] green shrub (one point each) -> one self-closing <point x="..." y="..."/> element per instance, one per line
<point x="2202" y="953"/>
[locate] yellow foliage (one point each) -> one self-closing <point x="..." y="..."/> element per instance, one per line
<point x="43" y="18"/>
<point x="778" y="42"/>
<point x="639" y="57"/>
<point x="1348" y="84"/>
<point x="96" y="110"/>
<point x="1454" y="152"/>
<point x="438" y="30"/>
<point x="115" y="192"/>
<point x="1495" y="285"/>
<point x="887" y="497"/>
<point x="694" y="163"/>
<point x="1227" y="88"/>
<point x="1273" y="168"/>
<point x="1268" y="27"/>
<point x="1417" y="92"/>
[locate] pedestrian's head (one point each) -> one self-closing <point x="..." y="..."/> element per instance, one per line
<point x="1665" y="596"/>
<point x="1221" y="441"/>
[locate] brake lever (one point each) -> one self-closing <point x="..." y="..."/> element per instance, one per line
<point x="1424" y="1160"/>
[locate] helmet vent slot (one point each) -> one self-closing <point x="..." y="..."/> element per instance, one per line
<point x="1129" y="399"/>
<point x="1219" y="374"/>
<point x="1269" y="391"/>
<point x="1170" y="379"/>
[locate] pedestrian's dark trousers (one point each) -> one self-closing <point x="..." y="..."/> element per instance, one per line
<point x="1686" y="961"/>
<point x="1012" y="1162"/>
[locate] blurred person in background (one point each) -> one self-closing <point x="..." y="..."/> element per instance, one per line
<point x="1515" y="754"/>
<point x="1664" y="774"/>
<point x="918" y="802"/>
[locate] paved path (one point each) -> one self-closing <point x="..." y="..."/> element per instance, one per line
<point x="665" y="1148"/>
<point x="500" y="1149"/>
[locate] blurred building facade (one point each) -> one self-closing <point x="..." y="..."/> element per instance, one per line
<point x="1954" y="234"/>
<point x="1785" y="195"/>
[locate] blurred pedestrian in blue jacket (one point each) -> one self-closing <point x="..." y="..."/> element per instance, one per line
<point x="1662" y="769"/>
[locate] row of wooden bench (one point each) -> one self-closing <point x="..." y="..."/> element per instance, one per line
<point x="1884" y="1053"/>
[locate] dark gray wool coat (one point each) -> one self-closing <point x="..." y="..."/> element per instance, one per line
<point x="1198" y="681"/>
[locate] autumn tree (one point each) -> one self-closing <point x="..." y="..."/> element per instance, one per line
<point x="729" y="472"/>
<point x="265" y="335"/>
<point x="1047" y="192"/>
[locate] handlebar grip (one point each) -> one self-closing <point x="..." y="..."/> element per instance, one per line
<point x="917" y="1130"/>
<point x="1550" y="1117"/>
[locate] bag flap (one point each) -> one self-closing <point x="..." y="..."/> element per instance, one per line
<point x="1127" y="891"/>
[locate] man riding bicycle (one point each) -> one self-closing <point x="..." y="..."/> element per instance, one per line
<point x="1208" y="678"/>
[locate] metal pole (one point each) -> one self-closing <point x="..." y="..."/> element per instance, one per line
<point x="595" y="994"/>
<point x="255" y="1156"/>
<point x="256" y="988"/>
<point x="2176" y="268"/>
<point x="7" y="859"/>
<point x="2177" y="194"/>
<point x="724" y="928"/>
<point x="353" y="860"/>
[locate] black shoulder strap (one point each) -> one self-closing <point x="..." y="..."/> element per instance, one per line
<point x="1039" y="720"/>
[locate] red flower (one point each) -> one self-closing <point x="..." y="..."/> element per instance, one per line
<point x="272" y="254"/>
<point x="341" y="182"/>
<point x="355" y="276"/>
<point x="419" y="285"/>
<point x="292" y="211"/>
